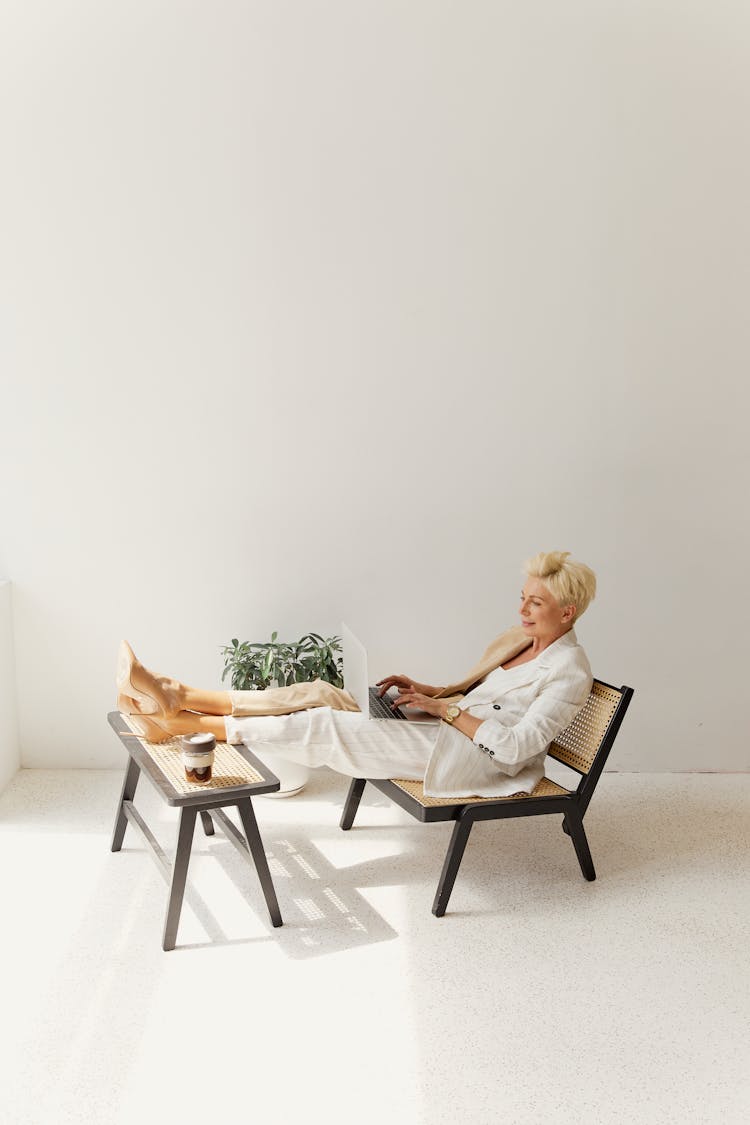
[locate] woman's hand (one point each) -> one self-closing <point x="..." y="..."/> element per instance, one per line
<point x="464" y="722"/>
<point x="404" y="683"/>
<point x="410" y="697"/>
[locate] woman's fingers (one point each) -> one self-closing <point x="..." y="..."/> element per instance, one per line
<point x="408" y="698"/>
<point x="418" y="699"/>
<point x="400" y="682"/>
<point x="391" y="681"/>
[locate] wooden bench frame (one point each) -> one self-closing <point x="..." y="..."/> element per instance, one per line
<point x="584" y="747"/>
<point x="210" y="804"/>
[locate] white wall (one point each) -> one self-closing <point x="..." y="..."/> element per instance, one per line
<point x="266" y="264"/>
<point x="10" y="754"/>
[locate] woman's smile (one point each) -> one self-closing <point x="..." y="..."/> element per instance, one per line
<point x="551" y="620"/>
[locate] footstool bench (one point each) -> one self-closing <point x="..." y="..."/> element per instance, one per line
<point x="238" y="776"/>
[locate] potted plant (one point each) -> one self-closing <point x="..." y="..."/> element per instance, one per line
<point x="275" y="663"/>
<point x="253" y="666"/>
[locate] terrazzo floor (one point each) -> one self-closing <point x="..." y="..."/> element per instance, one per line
<point x="537" y="998"/>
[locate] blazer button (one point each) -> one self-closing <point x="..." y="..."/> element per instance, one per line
<point x="497" y="706"/>
<point x="492" y="753"/>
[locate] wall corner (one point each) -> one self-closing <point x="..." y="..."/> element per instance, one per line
<point x="10" y="749"/>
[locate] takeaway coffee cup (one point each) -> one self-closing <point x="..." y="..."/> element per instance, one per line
<point x="198" y="757"/>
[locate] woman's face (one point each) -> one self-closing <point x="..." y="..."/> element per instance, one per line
<point x="542" y="618"/>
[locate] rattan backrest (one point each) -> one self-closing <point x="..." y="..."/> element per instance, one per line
<point x="579" y="743"/>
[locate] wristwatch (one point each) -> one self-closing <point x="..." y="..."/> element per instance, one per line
<point x="452" y="713"/>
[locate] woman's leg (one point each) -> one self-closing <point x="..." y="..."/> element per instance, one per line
<point x="142" y="692"/>
<point x="160" y="728"/>
<point x="349" y="743"/>
<point x="287" y="700"/>
<point x="270" y="701"/>
<point x="205" y="702"/>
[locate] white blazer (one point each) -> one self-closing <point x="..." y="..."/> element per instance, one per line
<point x="522" y="711"/>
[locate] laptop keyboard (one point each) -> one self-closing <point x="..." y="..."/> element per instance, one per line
<point x="380" y="707"/>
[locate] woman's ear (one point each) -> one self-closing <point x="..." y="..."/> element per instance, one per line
<point x="569" y="613"/>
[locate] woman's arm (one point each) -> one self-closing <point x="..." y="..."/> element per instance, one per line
<point x="464" y="722"/>
<point x="511" y="740"/>
<point x="511" y="745"/>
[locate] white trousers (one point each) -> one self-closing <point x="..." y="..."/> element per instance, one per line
<point x="346" y="741"/>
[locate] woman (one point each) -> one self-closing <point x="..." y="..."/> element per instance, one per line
<point x="490" y="731"/>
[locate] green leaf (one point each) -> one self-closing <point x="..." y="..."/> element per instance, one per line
<point x="252" y="665"/>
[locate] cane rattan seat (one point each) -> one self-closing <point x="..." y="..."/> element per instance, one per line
<point x="415" y="789"/>
<point x="230" y="767"/>
<point x="583" y="746"/>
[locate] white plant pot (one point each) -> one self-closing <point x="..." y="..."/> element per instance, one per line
<point x="293" y="777"/>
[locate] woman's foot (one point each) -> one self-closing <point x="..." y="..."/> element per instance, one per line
<point x="158" y="728"/>
<point x="149" y="729"/>
<point x="141" y="692"/>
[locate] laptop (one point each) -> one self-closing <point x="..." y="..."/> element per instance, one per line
<point x="356" y="682"/>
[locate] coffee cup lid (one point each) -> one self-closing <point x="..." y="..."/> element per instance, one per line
<point x="204" y="740"/>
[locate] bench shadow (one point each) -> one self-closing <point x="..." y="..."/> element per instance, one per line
<point x="321" y="905"/>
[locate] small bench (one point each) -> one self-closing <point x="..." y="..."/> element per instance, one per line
<point x="238" y="776"/>
<point x="584" y="746"/>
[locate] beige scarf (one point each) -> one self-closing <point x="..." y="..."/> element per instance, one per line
<point x="503" y="648"/>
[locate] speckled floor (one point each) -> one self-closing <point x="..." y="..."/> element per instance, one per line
<point x="538" y="998"/>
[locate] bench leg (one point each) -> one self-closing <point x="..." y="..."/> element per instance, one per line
<point x="461" y="830"/>
<point x="580" y="843"/>
<point x="353" y="797"/>
<point x="258" y="852"/>
<point x="179" y="877"/>
<point x="132" y="773"/>
<point x="208" y="824"/>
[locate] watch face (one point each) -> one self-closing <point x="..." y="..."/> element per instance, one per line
<point x="454" y="711"/>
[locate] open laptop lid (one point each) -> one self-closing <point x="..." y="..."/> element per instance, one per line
<point x="355" y="669"/>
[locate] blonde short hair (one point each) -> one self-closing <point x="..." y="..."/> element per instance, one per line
<point x="569" y="582"/>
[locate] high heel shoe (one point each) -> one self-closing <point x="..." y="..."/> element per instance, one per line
<point x="128" y="705"/>
<point x="148" y="729"/>
<point x="126" y="665"/>
<point x="141" y="687"/>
